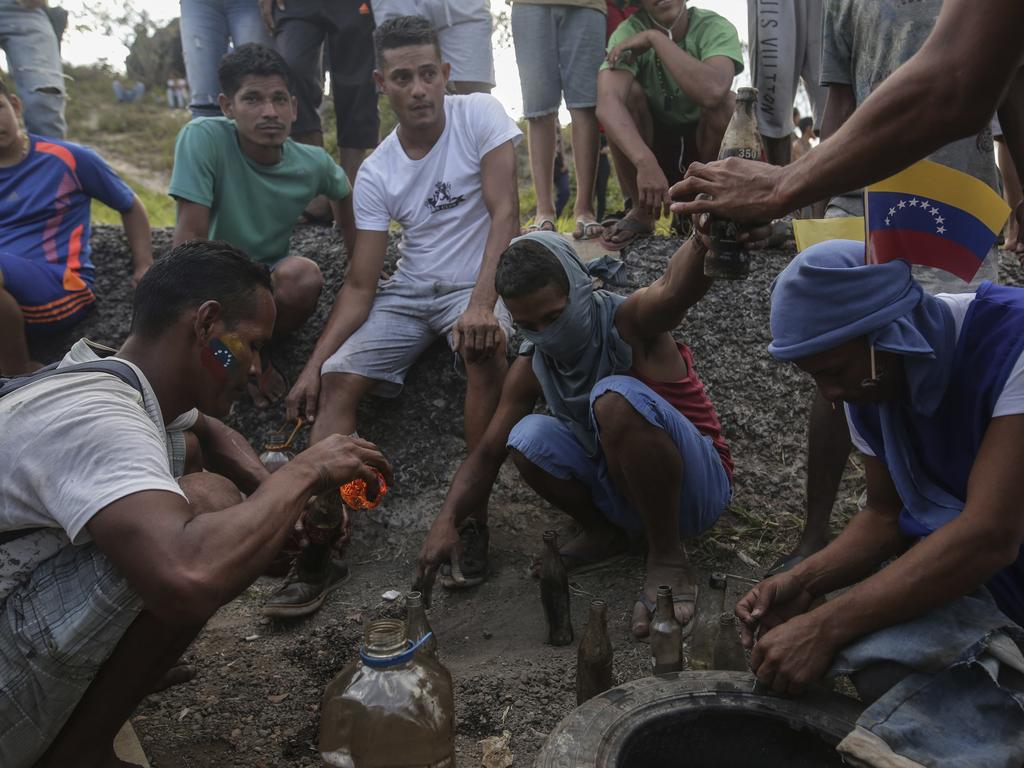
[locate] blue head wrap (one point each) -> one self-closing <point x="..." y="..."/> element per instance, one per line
<point x="828" y="296"/>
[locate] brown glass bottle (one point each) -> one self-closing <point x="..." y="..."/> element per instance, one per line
<point x="417" y="623"/>
<point x="725" y="258"/>
<point x="728" y="652"/>
<point x="594" y="655"/>
<point x="554" y="592"/>
<point x="389" y="708"/>
<point x="666" y="635"/>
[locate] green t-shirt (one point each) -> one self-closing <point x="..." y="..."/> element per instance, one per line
<point x="707" y="35"/>
<point x="254" y="207"/>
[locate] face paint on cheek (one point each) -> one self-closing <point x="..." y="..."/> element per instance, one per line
<point x="218" y="357"/>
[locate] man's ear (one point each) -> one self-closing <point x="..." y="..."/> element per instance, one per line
<point x="207" y="316"/>
<point x="378" y="78"/>
<point x="295" y="109"/>
<point x="225" y="106"/>
<point x="446" y="72"/>
<point x="15" y="103"/>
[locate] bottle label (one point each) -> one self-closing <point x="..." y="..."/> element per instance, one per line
<point x="746" y="153"/>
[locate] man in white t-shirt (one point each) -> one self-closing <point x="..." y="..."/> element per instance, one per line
<point x="934" y="393"/>
<point x="108" y="565"/>
<point x="447" y="175"/>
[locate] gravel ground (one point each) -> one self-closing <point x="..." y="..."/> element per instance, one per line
<point x="255" y="700"/>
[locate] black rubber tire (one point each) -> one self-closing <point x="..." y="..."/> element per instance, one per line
<point x="593" y="734"/>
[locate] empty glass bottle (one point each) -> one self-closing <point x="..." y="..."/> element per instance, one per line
<point x="594" y="655"/>
<point x="390" y="708"/>
<point x="725" y="257"/>
<point x="666" y="635"/>
<point x="277" y="451"/>
<point x="417" y="623"/>
<point x="554" y="592"/>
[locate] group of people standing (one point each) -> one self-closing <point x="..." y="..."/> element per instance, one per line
<point x="160" y="513"/>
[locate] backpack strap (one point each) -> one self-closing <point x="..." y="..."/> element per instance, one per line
<point x="117" y="368"/>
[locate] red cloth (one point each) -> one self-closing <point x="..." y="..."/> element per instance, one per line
<point x="687" y="395"/>
<point x="616" y="15"/>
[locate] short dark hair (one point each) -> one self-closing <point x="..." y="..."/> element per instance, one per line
<point x="805" y="123"/>
<point x="527" y="266"/>
<point x="401" y="31"/>
<point x="251" y="59"/>
<point x="195" y="272"/>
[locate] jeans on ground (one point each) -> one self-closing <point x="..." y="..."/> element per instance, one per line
<point x="33" y="58"/>
<point x="207" y="27"/>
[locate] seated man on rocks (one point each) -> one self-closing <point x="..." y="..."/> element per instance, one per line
<point x="633" y="444"/>
<point x="46" y="274"/>
<point x="240" y="178"/>
<point x="934" y="394"/>
<point x="664" y="99"/>
<point x="108" y="565"/>
<point x="447" y="175"/>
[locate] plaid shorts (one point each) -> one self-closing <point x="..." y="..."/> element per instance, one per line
<point x="56" y="630"/>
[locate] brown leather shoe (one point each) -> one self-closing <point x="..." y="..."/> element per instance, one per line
<point x="303" y="592"/>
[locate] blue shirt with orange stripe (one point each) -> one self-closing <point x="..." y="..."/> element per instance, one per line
<point x="44" y="206"/>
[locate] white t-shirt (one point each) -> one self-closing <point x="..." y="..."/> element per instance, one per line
<point x="438" y="200"/>
<point x="71" y="445"/>
<point x="1011" y="399"/>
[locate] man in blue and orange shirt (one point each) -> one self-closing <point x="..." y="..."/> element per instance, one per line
<point x="46" y="275"/>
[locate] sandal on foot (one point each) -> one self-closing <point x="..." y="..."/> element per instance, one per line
<point x="576" y="565"/>
<point x="651" y="606"/>
<point x="587" y="229"/>
<point x="541" y="225"/>
<point x="630" y="227"/>
<point x="260" y="387"/>
<point x="472" y="567"/>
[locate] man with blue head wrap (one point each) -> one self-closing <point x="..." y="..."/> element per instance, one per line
<point x="632" y="445"/>
<point x="933" y="388"/>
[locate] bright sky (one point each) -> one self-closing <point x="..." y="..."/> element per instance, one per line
<point x="88" y="47"/>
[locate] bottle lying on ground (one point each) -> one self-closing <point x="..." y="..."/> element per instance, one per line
<point x="594" y="655"/>
<point x="725" y="257"/>
<point x="666" y="635"/>
<point x="554" y="592"/>
<point x="391" y="708"/>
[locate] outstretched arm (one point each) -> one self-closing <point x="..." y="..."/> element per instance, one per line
<point x="471" y="486"/>
<point x="949" y="89"/>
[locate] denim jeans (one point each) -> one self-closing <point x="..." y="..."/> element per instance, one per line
<point x="33" y="58"/>
<point x="207" y="27"/>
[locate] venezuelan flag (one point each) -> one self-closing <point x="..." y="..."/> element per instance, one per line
<point x="933" y="215"/>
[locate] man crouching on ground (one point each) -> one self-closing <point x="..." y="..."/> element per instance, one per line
<point x="125" y="564"/>
<point x="633" y="444"/>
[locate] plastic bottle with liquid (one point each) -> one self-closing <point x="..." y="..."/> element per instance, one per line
<point x="392" y="707"/>
<point x="418" y="625"/>
<point x="594" y="656"/>
<point x="725" y="258"/>
<point x="554" y="592"/>
<point x="666" y="635"/>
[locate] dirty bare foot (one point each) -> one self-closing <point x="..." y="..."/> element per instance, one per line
<point x="676" y="573"/>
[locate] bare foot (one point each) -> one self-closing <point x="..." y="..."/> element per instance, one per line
<point x="677" y="574"/>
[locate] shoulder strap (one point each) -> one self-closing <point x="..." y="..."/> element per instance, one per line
<point x="117" y="368"/>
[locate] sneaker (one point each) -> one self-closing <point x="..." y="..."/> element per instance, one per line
<point x="302" y="592"/>
<point x="472" y="566"/>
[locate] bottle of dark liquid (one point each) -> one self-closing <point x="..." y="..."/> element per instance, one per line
<point x="554" y="592"/>
<point x="594" y="655"/>
<point x="725" y="258"/>
<point x="666" y="635"/>
<point x="389" y="708"/>
<point x="418" y="626"/>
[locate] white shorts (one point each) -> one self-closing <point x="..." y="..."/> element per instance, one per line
<point x="406" y="318"/>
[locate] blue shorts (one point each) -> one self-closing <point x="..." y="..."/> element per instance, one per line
<point x="550" y="444"/>
<point x="38" y="287"/>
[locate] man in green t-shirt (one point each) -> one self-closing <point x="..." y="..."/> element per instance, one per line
<point x="664" y="98"/>
<point x="240" y="178"/>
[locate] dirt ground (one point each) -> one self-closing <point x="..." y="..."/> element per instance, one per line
<point x="256" y="697"/>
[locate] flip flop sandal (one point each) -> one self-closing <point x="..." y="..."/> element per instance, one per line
<point x="631" y="227"/>
<point x="452" y="577"/>
<point x="587" y="229"/>
<point x="542" y="225"/>
<point x="582" y="564"/>
<point x="651" y="606"/>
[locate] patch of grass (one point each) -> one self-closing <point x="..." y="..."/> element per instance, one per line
<point x="159" y="207"/>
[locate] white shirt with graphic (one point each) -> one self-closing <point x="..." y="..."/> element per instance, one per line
<point x="438" y="199"/>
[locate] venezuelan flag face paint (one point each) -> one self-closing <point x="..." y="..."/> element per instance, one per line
<point x="222" y="356"/>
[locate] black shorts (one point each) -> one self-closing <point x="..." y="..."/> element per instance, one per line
<point x="346" y="26"/>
